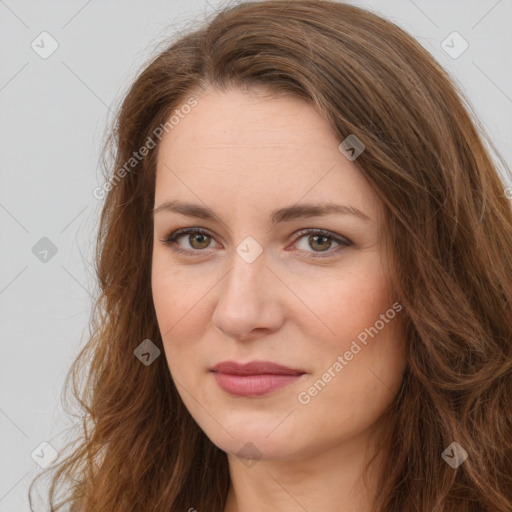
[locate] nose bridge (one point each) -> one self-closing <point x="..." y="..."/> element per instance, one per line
<point x="246" y="298"/>
<point x="247" y="279"/>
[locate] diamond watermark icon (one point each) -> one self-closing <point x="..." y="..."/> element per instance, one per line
<point x="44" y="45"/>
<point x="147" y="352"/>
<point x="44" y="250"/>
<point x="249" y="454"/>
<point x="454" y="45"/>
<point x="249" y="249"/>
<point x="44" y="454"/>
<point x="351" y="147"/>
<point x="454" y="455"/>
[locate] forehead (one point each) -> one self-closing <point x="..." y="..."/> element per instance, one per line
<point x="255" y="149"/>
<point x="244" y="122"/>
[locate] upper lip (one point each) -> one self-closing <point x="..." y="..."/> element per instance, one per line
<point x="254" y="368"/>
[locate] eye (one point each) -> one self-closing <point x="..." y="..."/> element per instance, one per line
<point x="321" y="240"/>
<point x="199" y="239"/>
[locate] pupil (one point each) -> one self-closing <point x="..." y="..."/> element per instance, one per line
<point x="320" y="237"/>
<point x="199" y="236"/>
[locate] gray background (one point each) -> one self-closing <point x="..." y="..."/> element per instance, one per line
<point x="54" y="113"/>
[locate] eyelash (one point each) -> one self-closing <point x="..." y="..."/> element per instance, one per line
<point x="172" y="237"/>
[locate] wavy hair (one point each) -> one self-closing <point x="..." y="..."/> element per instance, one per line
<point x="448" y="235"/>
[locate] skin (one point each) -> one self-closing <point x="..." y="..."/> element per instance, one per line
<point x="244" y="155"/>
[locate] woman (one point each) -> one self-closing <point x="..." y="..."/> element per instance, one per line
<point x="304" y="258"/>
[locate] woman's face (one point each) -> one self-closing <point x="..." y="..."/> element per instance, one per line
<point x="250" y="289"/>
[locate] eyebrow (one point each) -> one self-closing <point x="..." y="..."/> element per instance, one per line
<point x="288" y="213"/>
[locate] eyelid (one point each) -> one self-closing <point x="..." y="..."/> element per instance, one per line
<point x="178" y="233"/>
<point x="340" y="239"/>
<point x="343" y="242"/>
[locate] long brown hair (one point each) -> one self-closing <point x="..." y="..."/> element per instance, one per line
<point x="449" y="240"/>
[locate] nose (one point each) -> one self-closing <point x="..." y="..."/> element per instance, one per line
<point x="249" y="301"/>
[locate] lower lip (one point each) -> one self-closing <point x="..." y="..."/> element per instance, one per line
<point x="253" y="385"/>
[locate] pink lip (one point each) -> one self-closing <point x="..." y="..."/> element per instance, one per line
<point x="256" y="378"/>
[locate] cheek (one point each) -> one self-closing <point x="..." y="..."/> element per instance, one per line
<point x="180" y="297"/>
<point x="342" y="303"/>
<point x="349" y="394"/>
<point x="176" y="291"/>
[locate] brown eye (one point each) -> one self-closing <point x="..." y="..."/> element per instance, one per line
<point x="320" y="242"/>
<point x="202" y="240"/>
<point x="198" y="240"/>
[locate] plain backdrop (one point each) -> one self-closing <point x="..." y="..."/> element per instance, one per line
<point x="54" y="113"/>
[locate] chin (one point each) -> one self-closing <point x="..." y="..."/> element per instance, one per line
<point x="253" y="445"/>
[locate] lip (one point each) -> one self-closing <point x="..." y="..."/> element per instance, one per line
<point x="255" y="378"/>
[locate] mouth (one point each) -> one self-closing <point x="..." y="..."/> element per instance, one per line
<point x="253" y="379"/>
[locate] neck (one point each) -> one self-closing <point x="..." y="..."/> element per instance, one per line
<point x="330" y="480"/>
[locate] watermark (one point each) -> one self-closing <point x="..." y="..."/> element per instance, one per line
<point x="44" y="454"/>
<point x="137" y="156"/>
<point x="44" y="45"/>
<point x="249" y="454"/>
<point x="44" y="249"/>
<point x="146" y="352"/>
<point x="249" y="249"/>
<point x="304" y="397"/>
<point x="454" y="455"/>
<point x="454" y="45"/>
<point x="508" y="192"/>
<point x="351" y="147"/>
